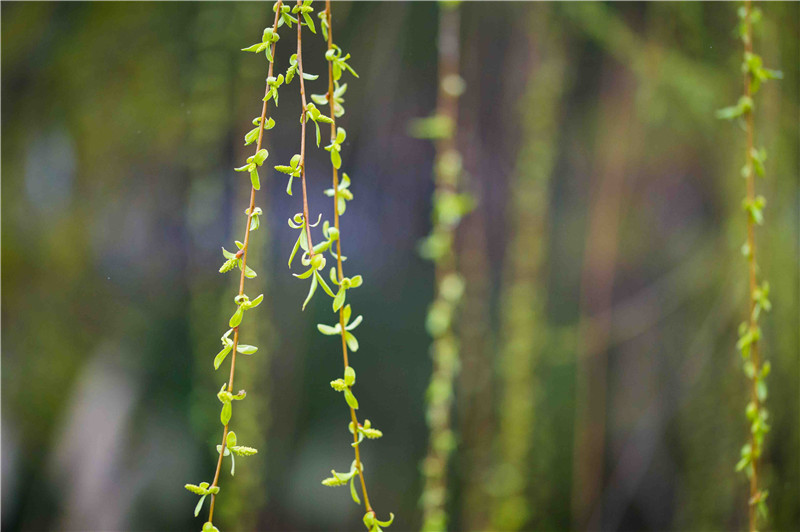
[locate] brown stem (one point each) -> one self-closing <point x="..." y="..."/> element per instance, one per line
<point x="353" y="416"/>
<point x="303" y="120"/>
<point x="751" y="262"/>
<point x="244" y="266"/>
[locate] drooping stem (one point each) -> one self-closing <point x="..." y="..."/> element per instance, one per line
<point x="340" y="270"/>
<point x="303" y="120"/>
<point x="250" y="211"/>
<point x="445" y="345"/>
<point x="751" y="264"/>
<point x="524" y="327"/>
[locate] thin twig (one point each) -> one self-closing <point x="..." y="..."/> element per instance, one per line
<point x="244" y="266"/>
<point x="340" y="270"/>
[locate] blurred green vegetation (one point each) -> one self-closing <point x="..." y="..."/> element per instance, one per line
<point x="121" y="126"/>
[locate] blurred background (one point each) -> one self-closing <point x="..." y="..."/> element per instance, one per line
<point x="604" y="279"/>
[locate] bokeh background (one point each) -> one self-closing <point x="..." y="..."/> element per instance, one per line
<point x="605" y="245"/>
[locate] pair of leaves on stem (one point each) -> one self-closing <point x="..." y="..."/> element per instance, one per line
<point x="253" y="162"/>
<point x="340" y="479"/>
<point x="231" y="449"/>
<point x="314" y="114"/>
<point x="204" y="490"/>
<point x="305" y="11"/>
<point x="343" y="385"/>
<point x="365" y="431"/>
<point x="373" y="524"/>
<point x="267" y="40"/>
<point x="755" y="208"/>
<point x="243" y="303"/>
<point x="338" y="62"/>
<point x="235" y="259"/>
<point x="226" y="398"/>
<point x="335" y="147"/>
<point x="293" y="69"/>
<point x="285" y="17"/>
<point x="227" y="347"/>
<point x="344" y="193"/>
<point x="336" y="330"/>
<point x="255" y="219"/>
<point x="252" y="135"/>
<point x="338" y="98"/>
<point x="293" y="170"/>
<point x="316" y="261"/>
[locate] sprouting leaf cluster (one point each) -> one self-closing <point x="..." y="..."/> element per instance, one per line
<point x="233" y="449"/>
<point x="253" y="162"/>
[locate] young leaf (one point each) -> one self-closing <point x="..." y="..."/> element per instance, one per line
<point x="351" y="399"/>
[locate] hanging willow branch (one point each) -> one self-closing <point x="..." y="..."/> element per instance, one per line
<point x="230" y="445"/>
<point x="750" y="330"/>
<point x="337" y="65"/>
<point x="449" y="206"/>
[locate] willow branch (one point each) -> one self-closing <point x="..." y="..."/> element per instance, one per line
<point x="244" y="267"/>
<point x="340" y="270"/>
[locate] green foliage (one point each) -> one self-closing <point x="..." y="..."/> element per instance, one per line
<point x="373" y="524"/>
<point x="293" y="170"/>
<point x="253" y="162"/>
<point x="204" y="489"/>
<point x="232" y="449"/>
<point x="342" y="193"/>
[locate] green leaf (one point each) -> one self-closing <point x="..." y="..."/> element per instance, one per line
<point x="225" y="414"/>
<point x="327" y="330"/>
<point x="294" y="249"/>
<point x="251" y="136"/>
<point x="257" y="301"/>
<point x="261" y="156"/>
<point x="322" y="283"/>
<point x="249" y="272"/>
<point x="309" y="23"/>
<point x="355" y="323"/>
<point x="236" y="319"/>
<point x="351" y="399"/>
<point x="256" y="182"/>
<point x="338" y="300"/>
<point x="353" y="492"/>
<point x="352" y="343"/>
<point x="386" y="523"/>
<point x="199" y="505"/>
<point x="349" y="376"/>
<point x="208" y="527"/>
<point x="230" y="439"/>
<point x="220" y="358"/>
<point x="311" y="291"/>
<point x="336" y="159"/>
<point x="246" y="349"/>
